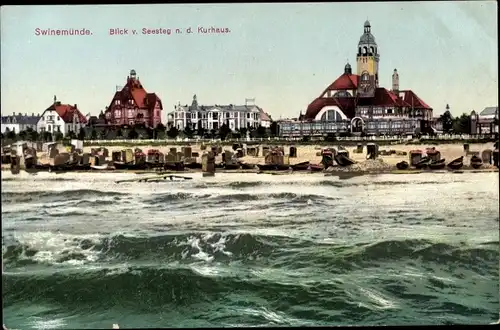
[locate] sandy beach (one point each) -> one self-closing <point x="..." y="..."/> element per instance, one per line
<point x="309" y="153"/>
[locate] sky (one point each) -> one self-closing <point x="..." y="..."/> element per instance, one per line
<point x="283" y="55"/>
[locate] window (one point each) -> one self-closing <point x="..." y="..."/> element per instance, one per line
<point x="215" y="116"/>
<point x="58" y="118"/>
<point x="248" y="115"/>
<point x="49" y="128"/>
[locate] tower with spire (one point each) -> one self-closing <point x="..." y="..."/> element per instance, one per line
<point x="367" y="63"/>
<point x="395" y="82"/>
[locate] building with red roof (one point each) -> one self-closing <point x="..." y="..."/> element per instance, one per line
<point x="133" y="105"/>
<point x="357" y="103"/>
<point x="63" y="118"/>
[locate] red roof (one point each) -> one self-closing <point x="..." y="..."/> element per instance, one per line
<point x="67" y="111"/>
<point x="264" y="116"/>
<point x="413" y="100"/>
<point x="347" y="106"/>
<point x="382" y="97"/>
<point x="133" y="89"/>
<point x="344" y="82"/>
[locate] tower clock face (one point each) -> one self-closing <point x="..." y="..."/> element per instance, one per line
<point x="365" y="83"/>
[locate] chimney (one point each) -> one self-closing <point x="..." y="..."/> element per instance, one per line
<point x="13" y="113"/>
<point x="25" y="114"/>
<point x="20" y="114"/>
<point x="32" y="114"/>
<point x="76" y="106"/>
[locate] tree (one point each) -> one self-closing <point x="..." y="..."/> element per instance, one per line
<point x="274" y="129"/>
<point x="22" y="135"/>
<point x="261" y="132"/>
<point x="201" y="131"/>
<point x="93" y="134"/>
<point x="446" y="121"/>
<point x="149" y="133"/>
<point x="33" y="135"/>
<point x="119" y="133"/>
<point x="213" y="133"/>
<point x="45" y="136"/>
<point x="160" y="131"/>
<point x="462" y="124"/>
<point x="160" y="128"/>
<point x="11" y="135"/>
<point x="224" y="131"/>
<point x="132" y="134"/>
<point x="173" y="132"/>
<point x="188" y="131"/>
<point x="81" y="134"/>
<point x="58" y="136"/>
<point x="243" y="132"/>
<point x="70" y="135"/>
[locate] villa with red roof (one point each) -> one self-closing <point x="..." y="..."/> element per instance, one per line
<point x="355" y="102"/>
<point x="133" y="105"/>
<point x="61" y="118"/>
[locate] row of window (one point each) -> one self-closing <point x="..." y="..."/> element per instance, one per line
<point x="131" y="113"/>
<point x="213" y="115"/>
<point x="57" y="128"/>
<point x="49" y="118"/>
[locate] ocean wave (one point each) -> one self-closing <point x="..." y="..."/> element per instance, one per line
<point x="54" y="196"/>
<point x="274" y="251"/>
<point x="153" y="288"/>
<point x="55" y="249"/>
<point x="38" y="179"/>
<point x="328" y="183"/>
<point x="222" y="198"/>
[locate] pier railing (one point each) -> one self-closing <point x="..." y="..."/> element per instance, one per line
<point x="387" y="139"/>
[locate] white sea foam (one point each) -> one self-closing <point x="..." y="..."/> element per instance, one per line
<point x="135" y="213"/>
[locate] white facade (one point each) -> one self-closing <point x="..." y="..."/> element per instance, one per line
<point x="18" y="123"/>
<point x="51" y="122"/>
<point x="12" y="127"/>
<point x="213" y="117"/>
